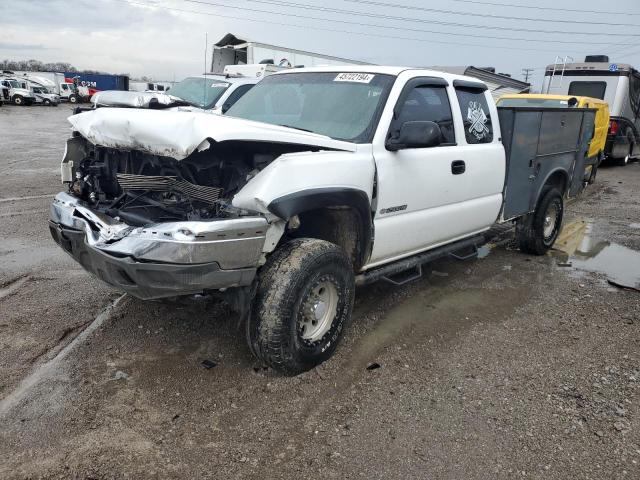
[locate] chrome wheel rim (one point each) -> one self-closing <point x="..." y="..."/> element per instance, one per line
<point x="319" y="310"/>
<point x="550" y="220"/>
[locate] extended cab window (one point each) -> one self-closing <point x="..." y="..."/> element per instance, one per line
<point x="475" y="115"/>
<point x="429" y="103"/>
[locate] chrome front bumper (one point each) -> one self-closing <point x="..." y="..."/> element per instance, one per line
<point x="161" y="260"/>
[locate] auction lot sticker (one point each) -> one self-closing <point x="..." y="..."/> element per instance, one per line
<point x="354" y="77"/>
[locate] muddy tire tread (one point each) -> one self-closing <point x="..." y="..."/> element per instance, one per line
<point x="285" y="268"/>
<point x="529" y="228"/>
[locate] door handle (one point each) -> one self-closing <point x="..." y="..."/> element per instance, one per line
<point x="458" y="167"/>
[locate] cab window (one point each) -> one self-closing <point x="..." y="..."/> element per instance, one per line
<point x="476" y="116"/>
<point x="429" y="103"/>
<point x="236" y="94"/>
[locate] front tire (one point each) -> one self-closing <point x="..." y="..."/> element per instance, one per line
<point x="302" y="305"/>
<point x="73" y="98"/>
<point x="537" y="232"/>
<point x="18" y="100"/>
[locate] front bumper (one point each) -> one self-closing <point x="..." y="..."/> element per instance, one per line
<point x="161" y="260"/>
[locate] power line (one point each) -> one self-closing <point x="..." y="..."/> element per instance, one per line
<point x="486" y="15"/>
<point x="350" y="32"/>
<point x="436" y="22"/>
<point x="551" y="9"/>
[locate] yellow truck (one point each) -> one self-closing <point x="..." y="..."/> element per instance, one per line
<point x="595" y="154"/>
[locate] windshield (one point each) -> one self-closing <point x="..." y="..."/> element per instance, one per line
<point x="533" y="102"/>
<point x="344" y="106"/>
<point x="38" y="90"/>
<point x="14" y="84"/>
<point x="200" y="92"/>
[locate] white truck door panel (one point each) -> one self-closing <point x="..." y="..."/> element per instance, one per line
<point x="423" y="199"/>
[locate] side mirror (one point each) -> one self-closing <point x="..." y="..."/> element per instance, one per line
<point x="225" y="107"/>
<point x="415" y="134"/>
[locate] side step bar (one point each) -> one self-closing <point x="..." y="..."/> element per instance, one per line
<point x="416" y="261"/>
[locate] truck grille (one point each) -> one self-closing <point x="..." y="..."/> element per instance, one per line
<point x="205" y="194"/>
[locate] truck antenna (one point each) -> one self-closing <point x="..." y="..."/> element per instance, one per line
<point x="204" y="84"/>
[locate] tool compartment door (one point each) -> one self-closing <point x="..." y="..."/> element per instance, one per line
<point x="538" y="142"/>
<point x="520" y="139"/>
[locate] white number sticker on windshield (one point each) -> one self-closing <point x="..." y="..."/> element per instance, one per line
<point x="354" y="77"/>
<point x="219" y="85"/>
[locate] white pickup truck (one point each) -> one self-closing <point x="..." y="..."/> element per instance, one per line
<point x="315" y="181"/>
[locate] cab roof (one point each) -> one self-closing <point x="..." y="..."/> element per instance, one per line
<point x="378" y="69"/>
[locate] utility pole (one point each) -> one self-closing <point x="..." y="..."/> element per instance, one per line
<point x="527" y="73"/>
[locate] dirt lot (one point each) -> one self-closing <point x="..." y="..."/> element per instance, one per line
<point x="508" y="366"/>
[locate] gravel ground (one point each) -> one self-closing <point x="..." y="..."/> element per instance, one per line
<point x="508" y="366"/>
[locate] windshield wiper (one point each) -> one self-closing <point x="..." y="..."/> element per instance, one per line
<point x="295" y="128"/>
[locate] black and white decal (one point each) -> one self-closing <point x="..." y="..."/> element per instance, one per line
<point x="478" y="120"/>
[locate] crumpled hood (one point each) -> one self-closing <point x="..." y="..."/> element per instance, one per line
<point x="117" y="98"/>
<point x="177" y="134"/>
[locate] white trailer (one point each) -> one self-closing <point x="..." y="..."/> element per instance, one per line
<point x="231" y="50"/>
<point x="51" y="80"/>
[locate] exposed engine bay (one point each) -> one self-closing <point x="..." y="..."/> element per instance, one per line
<point x="140" y="188"/>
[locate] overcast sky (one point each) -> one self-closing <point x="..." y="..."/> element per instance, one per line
<point x="164" y="39"/>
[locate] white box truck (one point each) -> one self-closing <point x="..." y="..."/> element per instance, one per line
<point x="231" y="50"/>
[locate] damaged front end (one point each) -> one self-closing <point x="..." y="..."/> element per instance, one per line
<point x="149" y="202"/>
<point x="157" y="227"/>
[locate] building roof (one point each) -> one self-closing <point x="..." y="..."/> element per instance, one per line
<point x="498" y="84"/>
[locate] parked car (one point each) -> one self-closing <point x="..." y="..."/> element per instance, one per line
<point x="216" y="93"/>
<point x="596" y="152"/>
<point x="44" y="96"/>
<point x="315" y="181"/>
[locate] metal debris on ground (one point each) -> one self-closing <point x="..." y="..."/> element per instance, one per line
<point x="208" y="364"/>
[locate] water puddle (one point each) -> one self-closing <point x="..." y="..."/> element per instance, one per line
<point x="485" y="250"/>
<point x="576" y="247"/>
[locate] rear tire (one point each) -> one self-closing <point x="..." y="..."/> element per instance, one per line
<point x="537" y="232"/>
<point x="621" y="162"/>
<point x="625" y="160"/>
<point x="302" y="305"/>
